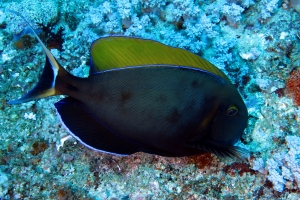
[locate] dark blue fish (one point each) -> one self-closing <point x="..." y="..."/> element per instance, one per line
<point x="142" y="95"/>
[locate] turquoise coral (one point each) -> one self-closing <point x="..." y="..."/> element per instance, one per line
<point x="45" y="12"/>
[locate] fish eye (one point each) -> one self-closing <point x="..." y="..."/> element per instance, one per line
<point x="232" y="110"/>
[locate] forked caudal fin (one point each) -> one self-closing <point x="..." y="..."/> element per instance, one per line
<point x="46" y="85"/>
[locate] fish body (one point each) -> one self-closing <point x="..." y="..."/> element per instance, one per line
<point x="159" y="106"/>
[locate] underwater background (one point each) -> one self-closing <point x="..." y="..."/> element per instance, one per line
<point x="255" y="42"/>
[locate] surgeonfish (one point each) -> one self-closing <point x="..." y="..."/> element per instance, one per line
<point x="144" y="96"/>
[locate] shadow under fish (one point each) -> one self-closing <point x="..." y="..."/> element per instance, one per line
<point x="142" y="95"/>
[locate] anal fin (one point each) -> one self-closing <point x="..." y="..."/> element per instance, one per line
<point x="90" y="131"/>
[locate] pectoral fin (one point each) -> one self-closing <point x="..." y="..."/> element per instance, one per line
<point x="221" y="150"/>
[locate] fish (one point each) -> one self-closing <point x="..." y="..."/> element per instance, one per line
<point x="145" y="96"/>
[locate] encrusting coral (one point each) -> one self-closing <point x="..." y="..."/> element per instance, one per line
<point x="293" y="86"/>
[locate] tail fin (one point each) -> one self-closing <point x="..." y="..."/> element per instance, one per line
<point x="46" y="85"/>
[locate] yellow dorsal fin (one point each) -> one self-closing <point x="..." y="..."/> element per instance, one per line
<point x="121" y="51"/>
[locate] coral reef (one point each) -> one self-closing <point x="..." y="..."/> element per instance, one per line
<point x="293" y="86"/>
<point x="284" y="166"/>
<point x="51" y="39"/>
<point x="256" y="43"/>
<point x="44" y="12"/>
